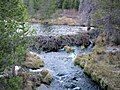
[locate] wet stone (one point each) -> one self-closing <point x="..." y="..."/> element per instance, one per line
<point x="61" y="74"/>
<point x="77" y="88"/>
<point x="70" y="86"/>
<point x="74" y="78"/>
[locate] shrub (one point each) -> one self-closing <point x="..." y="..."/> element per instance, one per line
<point x="13" y="83"/>
<point x="13" y="43"/>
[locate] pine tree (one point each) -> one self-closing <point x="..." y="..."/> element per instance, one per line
<point x="12" y="41"/>
<point x="72" y="4"/>
<point x="65" y="4"/>
<point x="76" y="4"/>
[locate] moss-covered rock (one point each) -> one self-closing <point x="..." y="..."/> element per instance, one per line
<point x="68" y="49"/>
<point x="33" y="79"/>
<point x="46" y="76"/>
<point x="32" y="60"/>
<point x="81" y="60"/>
<point x="101" y="40"/>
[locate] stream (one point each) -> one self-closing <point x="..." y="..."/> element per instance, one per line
<point x="66" y="76"/>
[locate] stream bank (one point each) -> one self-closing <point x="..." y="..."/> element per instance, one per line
<point x="103" y="64"/>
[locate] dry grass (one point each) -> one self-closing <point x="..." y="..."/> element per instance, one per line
<point x="33" y="61"/>
<point x="61" y="21"/>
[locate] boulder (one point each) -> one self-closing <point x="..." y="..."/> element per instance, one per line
<point x="30" y="80"/>
<point x="68" y="49"/>
<point x="33" y="61"/>
<point x="28" y="86"/>
<point x="101" y="40"/>
<point x="34" y="79"/>
<point x="46" y="76"/>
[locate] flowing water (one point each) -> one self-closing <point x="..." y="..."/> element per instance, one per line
<point x="66" y="76"/>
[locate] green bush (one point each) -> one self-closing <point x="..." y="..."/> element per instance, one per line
<point x="13" y="43"/>
<point x="12" y="33"/>
<point x="66" y="4"/>
<point x="13" y="83"/>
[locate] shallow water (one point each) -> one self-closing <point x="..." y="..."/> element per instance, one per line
<point x="66" y="76"/>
